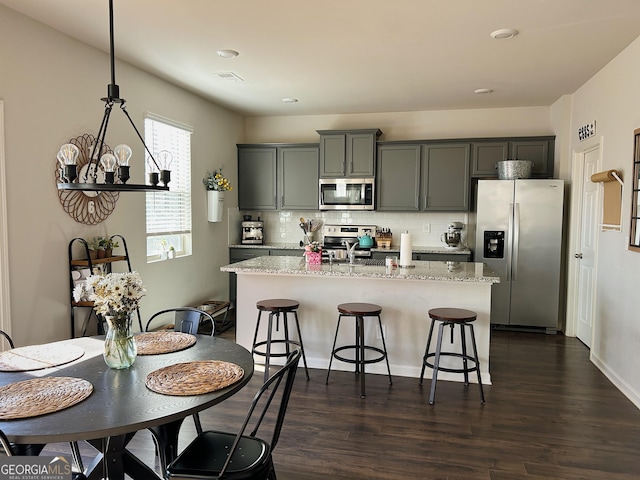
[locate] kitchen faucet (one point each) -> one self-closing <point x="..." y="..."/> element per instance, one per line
<point x="350" y="250"/>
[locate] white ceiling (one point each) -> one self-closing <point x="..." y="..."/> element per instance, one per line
<point x="357" y="56"/>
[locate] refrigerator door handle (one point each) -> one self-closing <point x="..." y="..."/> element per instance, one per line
<point x="516" y="241"/>
<point x="509" y="243"/>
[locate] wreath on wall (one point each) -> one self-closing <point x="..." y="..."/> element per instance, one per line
<point x="86" y="207"/>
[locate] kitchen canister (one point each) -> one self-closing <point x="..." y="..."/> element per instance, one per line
<point x="514" y="169"/>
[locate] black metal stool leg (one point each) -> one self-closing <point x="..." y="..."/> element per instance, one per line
<point x="360" y="327"/>
<point x="465" y="364"/>
<point x="384" y="347"/>
<point x="426" y="350"/>
<point x="436" y="365"/>
<point x="268" y="348"/>
<point x="475" y="354"/>
<point x="304" y="358"/>
<point x="333" y="349"/>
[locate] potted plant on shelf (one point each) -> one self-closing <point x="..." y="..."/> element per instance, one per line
<point x="216" y="184"/>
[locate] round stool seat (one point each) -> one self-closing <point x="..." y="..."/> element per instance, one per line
<point x="277" y="305"/>
<point x="364" y="309"/>
<point x="453" y="315"/>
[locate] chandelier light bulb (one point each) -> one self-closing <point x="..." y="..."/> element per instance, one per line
<point x="122" y="153"/>
<point x="165" y="158"/>
<point x="108" y="162"/>
<point x="68" y="154"/>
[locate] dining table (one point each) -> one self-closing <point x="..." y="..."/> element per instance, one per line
<point x="121" y="403"/>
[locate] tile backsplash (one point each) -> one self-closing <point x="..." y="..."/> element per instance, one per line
<point x="281" y="226"/>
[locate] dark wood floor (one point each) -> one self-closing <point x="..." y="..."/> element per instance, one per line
<point x="550" y="414"/>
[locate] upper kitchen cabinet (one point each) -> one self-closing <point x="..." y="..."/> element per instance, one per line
<point x="257" y="177"/>
<point x="274" y="177"/>
<point x="298" y="177"/>
<point x="348" y="153"/>
<point x="398" y="177"/>
<point x="445" y="177"/>
<point x="540" y="150"/>
<point x="423" y="177"/>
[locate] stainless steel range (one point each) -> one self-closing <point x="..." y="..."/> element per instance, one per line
<point x="339" y="239"/>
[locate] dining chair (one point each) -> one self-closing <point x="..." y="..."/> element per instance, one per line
<point x="7" y="338"/>
<point x="236" y="456"/>
<point x="75" y="450"/>
<point x="185" y="319"/>
<point x="9" y="452"/>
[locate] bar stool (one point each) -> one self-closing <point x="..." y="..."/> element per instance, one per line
<point x="275" y="307"/>
<point x="359" y="311"/>
<point x="452" y="317"/>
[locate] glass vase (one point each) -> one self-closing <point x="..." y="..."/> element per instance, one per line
<point x="120" y="347"/>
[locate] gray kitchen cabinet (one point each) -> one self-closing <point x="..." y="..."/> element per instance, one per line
<point x="423" y="177"/>
<point x="272" y="177"/>
<point x="348" y="153"/>
<point x="398" y="177"/>
<point x="445" y="177"/>
<point x="540" y="150"/>
<point x="441" y="257"/>
<point x="257" y="187"/>
<point x="238" y="255"/>
<point x="298" y="177"/>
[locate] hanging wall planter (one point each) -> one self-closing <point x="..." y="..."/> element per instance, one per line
<point x="215" y="203"/>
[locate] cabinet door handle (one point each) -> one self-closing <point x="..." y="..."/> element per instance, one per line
<point x="578" y="255"/>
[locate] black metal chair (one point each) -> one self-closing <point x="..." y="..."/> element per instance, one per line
<point x="8" y="448"/>
<point x="236" y="456"/>
<point x="187" y="320"/>
<point x="7" y="338"/>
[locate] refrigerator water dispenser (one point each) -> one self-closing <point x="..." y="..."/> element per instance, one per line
<point x="494" y="244"/>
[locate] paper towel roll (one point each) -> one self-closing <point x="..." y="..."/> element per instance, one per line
<point x="405" y="250"/>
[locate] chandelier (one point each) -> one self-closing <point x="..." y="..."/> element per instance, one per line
<point x="113" y="167"/>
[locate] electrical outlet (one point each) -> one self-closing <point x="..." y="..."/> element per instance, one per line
<point x="384" y="331"/>
<point x="426" y="228"/>
<point x="91" y="207"/>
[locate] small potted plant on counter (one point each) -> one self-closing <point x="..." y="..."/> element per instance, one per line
<point x="313" y="253"/>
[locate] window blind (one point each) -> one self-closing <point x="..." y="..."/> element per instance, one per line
<point x="169" y="213"/>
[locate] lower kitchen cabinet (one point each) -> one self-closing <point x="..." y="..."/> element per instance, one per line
<point x="240" y="254"/>
<point x="441" y="257"/>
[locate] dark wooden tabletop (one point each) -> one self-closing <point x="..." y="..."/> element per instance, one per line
<point x="120" y="402"/>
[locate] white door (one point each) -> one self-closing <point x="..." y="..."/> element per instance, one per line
<point x="584" y="255"/>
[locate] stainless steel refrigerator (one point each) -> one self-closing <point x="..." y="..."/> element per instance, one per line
<point x="519" y="235"/>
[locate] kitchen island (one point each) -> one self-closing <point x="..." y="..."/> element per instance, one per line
<point x="405" y="295"/>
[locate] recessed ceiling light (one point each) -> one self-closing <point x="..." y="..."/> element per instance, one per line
<point x="289" y="100"/>
<point x="504" y="33"/>
<point x="226" y="53"/>
<point x="482" y="91"/>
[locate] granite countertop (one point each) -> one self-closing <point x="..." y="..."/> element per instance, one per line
<point x="393" y="249"/>
<point x="439" y="271"/>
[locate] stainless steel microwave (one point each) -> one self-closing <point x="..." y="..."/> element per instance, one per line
<point x="347" y="193"/>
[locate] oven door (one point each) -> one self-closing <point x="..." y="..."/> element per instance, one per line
<point x="346" y="193"/>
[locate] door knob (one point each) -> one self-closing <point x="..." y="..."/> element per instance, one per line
<point x="578" y="255"/>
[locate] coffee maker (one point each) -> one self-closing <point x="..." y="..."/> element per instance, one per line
<point x="453" y="236"/>
<point x="252" y="231"/>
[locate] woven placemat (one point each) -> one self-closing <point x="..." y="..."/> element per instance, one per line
<point x="194" y="378"/>
<point x="154" y="343"/>
<point x="36" y="357"/>
<point x="38" y="396"/>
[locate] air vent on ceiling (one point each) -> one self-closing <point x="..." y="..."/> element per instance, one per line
<point x="229" y="77"/>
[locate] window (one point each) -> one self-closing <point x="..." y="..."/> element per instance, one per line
<point x="169" y="213"/>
